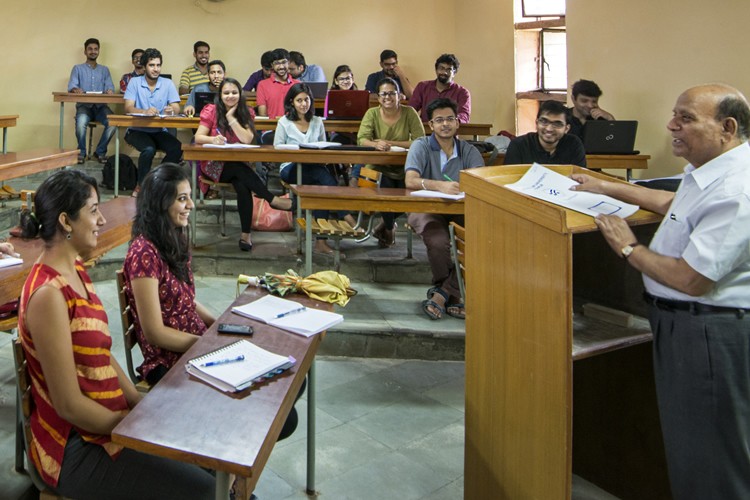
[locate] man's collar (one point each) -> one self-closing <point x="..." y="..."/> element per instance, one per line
<point x="717" y="167"/>
<point x="435" y="145"/>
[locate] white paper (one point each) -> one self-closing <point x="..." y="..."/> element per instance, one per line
<point x="286" y="146"/>
<point x="545" y="184"/>
<point x="306" y="323"/>
<point x="426" y="193"/>
<point x="7" y="261"/>
<point x="237" y="145"/>
<point x="398" y="149"/>
<point x="319" y="144"/>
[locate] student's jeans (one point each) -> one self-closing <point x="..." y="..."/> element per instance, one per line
<point x="148" y="143"/>
<point x="96" y="112"/>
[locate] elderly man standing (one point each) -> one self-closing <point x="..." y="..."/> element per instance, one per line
<point x="696" y="271"/>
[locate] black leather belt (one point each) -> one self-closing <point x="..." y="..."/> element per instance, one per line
<point x="695" y="308"/>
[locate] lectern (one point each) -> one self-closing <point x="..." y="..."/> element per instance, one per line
<point x="550" y="392"/>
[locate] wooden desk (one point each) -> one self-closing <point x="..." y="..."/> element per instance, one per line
<point x="63" y="97"/>
<point x="547" y="395"/>
<point x="14" y="165"/>
<point x="185" y="419"/>
<point x="372" y="199"/>
<point x="118" y="212"/>
<point x="615" y="162"/>
<point x="5" y="122"/>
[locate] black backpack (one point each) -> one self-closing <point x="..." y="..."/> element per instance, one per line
<point x="128" y="173"/>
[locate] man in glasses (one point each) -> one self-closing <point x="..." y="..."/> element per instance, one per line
<point x="138" y="69"/>
<point x="302" y="71"/>
<point x="272" y="90"/>
<point x="586" y="96"/>
<point x="427" y="91"/>
<point x="551" y="144"/>
<point x="391" y="69"/>
<point x="433" y="163"/>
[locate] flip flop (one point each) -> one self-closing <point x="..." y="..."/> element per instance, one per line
<point x="456" y="306"/>
<point x="426" y="308"/>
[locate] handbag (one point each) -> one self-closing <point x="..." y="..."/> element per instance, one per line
<point x="266" y="218"/>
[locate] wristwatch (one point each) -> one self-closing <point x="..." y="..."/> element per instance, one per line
<point x="628" y="249"/>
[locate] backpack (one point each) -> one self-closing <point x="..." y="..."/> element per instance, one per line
<point x="128" y="173"/>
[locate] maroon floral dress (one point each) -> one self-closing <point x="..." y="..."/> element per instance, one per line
<point x="177" y="301"/>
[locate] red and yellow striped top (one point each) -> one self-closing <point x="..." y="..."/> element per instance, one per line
<point x="96" y="376"/>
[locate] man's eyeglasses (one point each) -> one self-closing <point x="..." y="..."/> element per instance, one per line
<point x="280" y="63"/>
<point x="440" y="120"/>
<point x="543" y="122"/>
<point x="391" y="93"/>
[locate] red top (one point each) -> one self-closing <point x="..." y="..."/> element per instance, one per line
<point x="177" y="300"/>
<point x="96" y="376"/>
<point x="271" y="93"/>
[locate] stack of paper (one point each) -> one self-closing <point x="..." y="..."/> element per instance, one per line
<point x="236" y="366"/>
<point x="289" y="315"/>
<point x="6" y="261"/>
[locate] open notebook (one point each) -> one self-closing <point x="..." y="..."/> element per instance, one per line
<point x="289" y="315"/>
<point x="236" y="366"/>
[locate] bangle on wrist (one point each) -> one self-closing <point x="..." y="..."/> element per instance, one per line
<point x="423" y="186"/>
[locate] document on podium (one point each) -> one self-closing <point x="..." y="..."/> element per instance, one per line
<point x="545" y="184"/>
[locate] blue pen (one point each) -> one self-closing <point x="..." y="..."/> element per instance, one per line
<point x="294" y="311"/>
<point x="241" y="357"/>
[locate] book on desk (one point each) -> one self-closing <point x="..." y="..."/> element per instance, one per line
<point x="289" y="315"/>
<point x="237" y="366"/>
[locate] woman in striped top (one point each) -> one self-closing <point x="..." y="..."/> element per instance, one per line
<point x="79" y="391"/>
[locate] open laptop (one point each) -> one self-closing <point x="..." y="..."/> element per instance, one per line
<point x="605" y="137"/>
<point x="318" y="89"/>
<point x="201" y="99"/>
<point x="347" y="104"/>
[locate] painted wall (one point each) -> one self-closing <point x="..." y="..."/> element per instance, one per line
<point x="43" y="40"/>
<point x="644" y="53"/>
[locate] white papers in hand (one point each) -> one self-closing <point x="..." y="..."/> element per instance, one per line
<point x="545" y="184"/>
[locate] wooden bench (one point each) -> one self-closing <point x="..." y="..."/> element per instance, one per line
<point x="335" y="230"/>
<point x="21" y="164"/>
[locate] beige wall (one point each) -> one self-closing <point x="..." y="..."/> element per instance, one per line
<point x="43" y="40"/>
<point x="644" y="53"/>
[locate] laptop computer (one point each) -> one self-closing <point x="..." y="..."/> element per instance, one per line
<point x="605" y="137"/>
<point x="347" y="104"/>
<point x="201" y="99"/>
<point x="318" y="89"/>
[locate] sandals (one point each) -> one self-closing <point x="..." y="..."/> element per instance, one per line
<point x="426" y="304"/>
<point x="457" y="310"/>
<point x="386" y="237"/>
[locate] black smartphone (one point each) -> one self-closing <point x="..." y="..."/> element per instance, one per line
<point x="235" y="329"/>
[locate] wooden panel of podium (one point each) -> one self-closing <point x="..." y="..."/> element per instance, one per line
<point x="550" y="392"/>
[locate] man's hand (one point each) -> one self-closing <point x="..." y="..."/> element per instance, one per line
<point x="76" y="90"/>
<point x="589" y="183"/>
<point x="109" y="91"/>
<point x="189" y="111"/>
<point x="616" y="231"/>
<point x="599" y="113"/>
<point x="448" y="187"/>
<point x="152" y="111"/>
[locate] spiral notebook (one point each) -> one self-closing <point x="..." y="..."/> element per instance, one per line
<point x="289" y="315"/>
<point x="232" y="374"/>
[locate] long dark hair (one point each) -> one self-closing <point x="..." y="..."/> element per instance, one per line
<point x="294" y="91"/>
<point x="344" y="68"/>
<point x="64" y="191"/>
<point x="242" y="114"/>
<point x="158" y="192"/>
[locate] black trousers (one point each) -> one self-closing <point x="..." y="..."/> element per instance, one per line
<point x="702" y="371"/>
<point x="148" y="143"/>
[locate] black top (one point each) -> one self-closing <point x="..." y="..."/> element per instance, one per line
<point x="576" y="127"/>
<point x="526" y="149"/>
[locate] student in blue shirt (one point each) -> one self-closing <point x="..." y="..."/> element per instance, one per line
<point x="91" y="77"/>
<point x="151" y="94"/>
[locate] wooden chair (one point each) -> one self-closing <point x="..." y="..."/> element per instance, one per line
<point x="458" y="253"/>
<point x="25" y="406"/>
<point x="223" y="188"/>
<point x="128" y="334"/>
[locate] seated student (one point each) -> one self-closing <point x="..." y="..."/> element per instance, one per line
<point x="391" y="69"/>
<point x="138" y="69"/>
<point x="302" y="71"/>
<point x="272" y="91"/>
<point x="446" y="67"/>
<point x="198" y="72"/>
<point x="152" y="95"/>
<point x="434" y="163"/>
<point x="264" y="72"/>
<point x="298" y="126"/>
<point x="159" y="282"/>
<point x="389" y="124"/>
<point x="230" y="121"/>
<point x="216" y="72"/>
<point x="79" y="391"/>
<point x="585" y="106"/>
<point x="343" y="79"/>
<point x="551" y="144"/>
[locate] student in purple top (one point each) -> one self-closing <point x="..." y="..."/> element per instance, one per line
<point x="266" y="61"/>
<point x="427" y="91"/>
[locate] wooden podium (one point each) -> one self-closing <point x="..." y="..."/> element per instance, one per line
<point x="550" y="392"/>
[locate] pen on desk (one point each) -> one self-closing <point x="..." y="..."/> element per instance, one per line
<point x="294" y="311"/>
<point x="447" y="178"/>
<point x="225" y="361"/>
